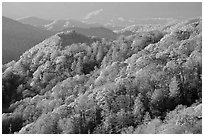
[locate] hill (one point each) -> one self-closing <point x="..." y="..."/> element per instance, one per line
<point x="71" y="37"/>
<point x="35" y="21"/>
<point x="146" y="82"/>
<point x="18" y="37"/>
<point x="100" y="32"/>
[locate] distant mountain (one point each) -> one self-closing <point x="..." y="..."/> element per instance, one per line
<point x="125" y="32"/>
<point x="113" y="24"/>
<point x="100" y="32"/>
<point x="18" y="37"/>
<point x="85" y="28"/>
<point x="58" y="25"/>
<point x="147" y="21"/>
<point x="34" y="21"/>
<point x="124" y="22"/>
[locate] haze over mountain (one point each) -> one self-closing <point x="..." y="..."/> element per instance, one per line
<point x="102" y="12"/>
<point x="87" y="28"/>
<point x="36" y="21"/>
<point x="113" y="24"/>
<point x="60" y="24"/>
<point x="105" y="13"/>
<point x="18" y="37"/>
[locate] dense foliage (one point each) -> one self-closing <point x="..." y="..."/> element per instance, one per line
<point x="147" y="82"/>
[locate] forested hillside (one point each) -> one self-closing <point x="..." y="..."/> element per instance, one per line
<point x="149" y="81"/>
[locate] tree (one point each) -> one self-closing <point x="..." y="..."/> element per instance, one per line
<point x="10" y="83"/>
<point x="73" y="65"/>
<point x="46" y="124"/>
<point x="99" y="55"/>
<point x="138" y="109"/>
<point x="159" y="103"/>
<point x="173" y="87"/>
<point x="11" y="123"/>
<point x="79" y="66"/>
<point x="86" y="108"/>
<point x="66" y="125"/>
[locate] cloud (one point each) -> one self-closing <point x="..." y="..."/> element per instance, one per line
<point x="121" y="19"/>
<point x="93" y="13"/>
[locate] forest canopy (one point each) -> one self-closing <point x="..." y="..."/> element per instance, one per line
<point x="147" y="82"/>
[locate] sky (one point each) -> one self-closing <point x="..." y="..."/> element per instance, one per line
<point x="102" y="10"/>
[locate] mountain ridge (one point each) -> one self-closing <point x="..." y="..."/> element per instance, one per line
<point x="18" y="37"/>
